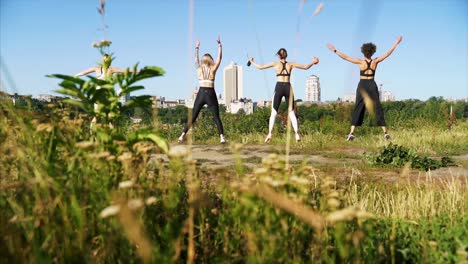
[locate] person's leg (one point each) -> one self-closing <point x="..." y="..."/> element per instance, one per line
<point x="213" y="106"/>
<point x="197" y="106"/>
<point x="274" y="111"/>
<point x="292" y="116"/>
<point x="358" y="114"/>
<point x="379" y="113"/>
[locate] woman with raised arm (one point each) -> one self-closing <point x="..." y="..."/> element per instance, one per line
<point x="367" y="93"/>
<point x="102" y="71"/>
<point x="283" y="88"/>
<point x="206" y="71"/>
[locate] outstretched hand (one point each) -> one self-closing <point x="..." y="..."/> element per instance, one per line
<point x="251" y="60"/>
<point x="331" y="47"/>
<point x="198" y="44"/>
<point x="315" y="60"/>
<point x="398" y="40"/>
<point x="219" y="41"/>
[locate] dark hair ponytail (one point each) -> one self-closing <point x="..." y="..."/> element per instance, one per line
<point x="282" y="53"/>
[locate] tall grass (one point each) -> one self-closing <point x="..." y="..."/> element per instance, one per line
<point x="68" y="196"/>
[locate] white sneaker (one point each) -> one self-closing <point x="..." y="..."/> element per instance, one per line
<point x="268" y="138"/>
<point x="387" y="136"/>
<point x="181" y="138"/>
<point x="350" y="137"/>
<point x="222" y="140"/>
<point x="298" y="138"/>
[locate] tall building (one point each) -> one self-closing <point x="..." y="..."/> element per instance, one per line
<point x="233" y="83"/>
<point x="245" y="104"/>
<point x="386" y="96"/>
<point x="312" y="92"/>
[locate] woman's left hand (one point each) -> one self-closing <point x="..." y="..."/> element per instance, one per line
<point x="331" y="47"/>
<point x="219" y="41"/>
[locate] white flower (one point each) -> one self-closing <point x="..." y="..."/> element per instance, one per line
<point x="299" y="180"/>
<point x="135" y="204"/>
<point x="125" y="184"/>
<point x="110" y="211"/>
<point x="151" y="200"/>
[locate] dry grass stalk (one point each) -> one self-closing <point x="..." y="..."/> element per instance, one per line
<point x="300" y="210"/>
<point x="135" y="233"/>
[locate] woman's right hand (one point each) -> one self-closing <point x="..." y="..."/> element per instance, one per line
<point x="331" y="47"/>
<point x="251" y="60"/>
<point x="198" y="44"/>
<point x="315" y="60"/>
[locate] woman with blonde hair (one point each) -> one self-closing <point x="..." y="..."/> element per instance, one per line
<point x="206" y="71"/>
<point x="367" y="93"/>
<point x="283" y="88"/>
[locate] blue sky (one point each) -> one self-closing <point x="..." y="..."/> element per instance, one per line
<point x="52" y="36"/>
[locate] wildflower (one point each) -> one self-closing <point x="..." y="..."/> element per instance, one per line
<point x="345" y="214"/>
<point x="125" y="156"/>
<point x="100" y="155"/>
<point x="44" y="127"/>
<point x="85" y="144"/>
<point x="299" y="180"/>
<point x="102" y="43"/>
<point x="261" y="171"/>
<point x="110" y="211"/>
<point x="125" y="184"/>
<point x="135" y="204"/>
<point x="151" y="200"/>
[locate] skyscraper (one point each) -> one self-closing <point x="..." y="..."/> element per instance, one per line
<point x="312" y="92"/>
<point x="233" y="87"/>
<point x="386" y="96"/>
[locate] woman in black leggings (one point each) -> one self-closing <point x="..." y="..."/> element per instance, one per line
<point x="206" y="71"/>
<point x="283" y="88"/>
<point x="367" y="93"/>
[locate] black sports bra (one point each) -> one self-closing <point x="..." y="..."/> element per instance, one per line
<point x="363" y="72"/>
<point x="284" y="70"/>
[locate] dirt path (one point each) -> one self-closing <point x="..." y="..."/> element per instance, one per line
<point x="341" y="162"/>
<point x="251" y="156"/>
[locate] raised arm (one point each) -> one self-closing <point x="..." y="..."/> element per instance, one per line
<point x="390" y="51"/>
<point x="118" y="70"/>
<point x="260" y="66"/>
<point x="88" y="71"/>
<point x="343" y="56"/>
<point x="220" y="54"/>
<point x="306" y="66"/>
<point x="197" y="49"/>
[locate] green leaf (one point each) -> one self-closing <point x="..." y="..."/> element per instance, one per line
<point x="149" y="72"/>
<point x="66" y="77"/>
<point x="131" y="89"/>
<point x="75" y="103"/>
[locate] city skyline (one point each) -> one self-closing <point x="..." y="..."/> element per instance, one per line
<point x="33" y="44"/>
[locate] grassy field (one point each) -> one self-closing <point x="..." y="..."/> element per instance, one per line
<point x="69" y="196"/>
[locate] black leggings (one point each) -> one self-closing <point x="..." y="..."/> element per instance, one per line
<point x="282" y="89"/>
<point x="367" y="88"/>
<point x="206" y="96"/>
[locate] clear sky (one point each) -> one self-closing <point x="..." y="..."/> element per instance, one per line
<point x="53" y="36"/>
